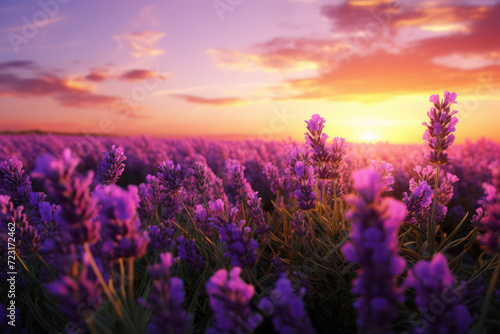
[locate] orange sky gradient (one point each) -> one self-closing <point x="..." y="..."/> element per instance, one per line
<point x="248" y="69"/>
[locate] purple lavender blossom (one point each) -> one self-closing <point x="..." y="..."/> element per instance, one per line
<point x="229" y="299"/>
<point x="490" y="240"/>
<point x="433" y="283"/>
<point x="316" y="139"/>
<point x="439" y="133"/>
<point x="161" y="236"/>
<point x="27" y="238"/>
<point x="418" y="203"/>
<point x="112" y="166"/>
<point x="305" y="194"/>
<point x="71" y="192"/>
<point x="272" y="173"/>
<point x="337" y="156"/>
<point x="166" y="300"/>
<point x="476" y="220"/>
<point x="240" y="246"/>
<point x="239" y="184"/>
<point x="120" y="223"/>
<point x="170" y="175"/>
<point x="256" y="213"/>
<point x="189" y="253"/>
<point x="279" y="268"/>
<point x="289" y="313"/>
<point x="385" y="169"/>
<point x="199" y="172"/>
<point x="202" y="220"/>
<point x="14" y="180"/>
<point x="374" y="247"/>
<point x="79" y="296"/>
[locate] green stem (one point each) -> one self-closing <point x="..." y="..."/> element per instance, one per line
<point x="431" y="237"/>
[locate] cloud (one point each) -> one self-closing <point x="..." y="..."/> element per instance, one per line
<point x="144" y="42"/>
<point x="277" y="55"/>
<point x="226" y="101"/>
<point x="468" y="61"/>
<point x="138" y="75"/>
<point x="98" y="75"/>
<point x="18" y="64"/>
<point x="70" y="93"/>
<point x="377" y="50"/>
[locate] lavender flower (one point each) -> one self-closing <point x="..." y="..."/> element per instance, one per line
<point x="316" y="139"/>
<point x="71" y="192"/>
<point x="203" y="221"/>
<point x="229" y="299"/>
<point x="112" y="166"/>
<point x="14" y="179"/>
<point x="161" y="236"/>
<point x="256" y="213"/>
<point x="170" y="175"/>
<point x="385" y="169"/>
<point x="490" y="240"/>
<point x="199" y="172"/>
<point x="239" y="184"/>
<point x="189" y="253"/>
<point x="79" y="296"/>
<point x="439" y="133"/>
<point x="418" y="203"/>
<point x="289" y="313"/>
<point x="337" y="155"/>
<point x="27" y="239"/>
<point x="305" y="194"/>
<point x="273" y="176"/>
<point x="166" y="300"/>
<point x="476" y="220"/>
<point x="433" y="283"/>
<point x="240" y="246"/>
<point x="120" y="224"/>
<point x="374" y="248"/>
<point x="279" y="268"/>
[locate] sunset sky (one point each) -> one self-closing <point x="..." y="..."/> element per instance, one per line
<point x="239" y="69"/>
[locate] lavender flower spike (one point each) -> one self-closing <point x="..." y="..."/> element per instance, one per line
<point x="433" y="284"/>
<point x="257" y="214"/>
<point x="189" y="253"/>
<point x="439" y="133"/>
<point x="240" y="246"/>
<point x="170" y="175"/>
<point x="120" y="222"/>
<point x="166" y="300"/>
<point x="273" y="176"/>
<point x="112" y="165"/>
<point x="374" y="248"/>
<point x="289" y="314"/>
<point x="229" y="299"/>
<point x="305" y="179"/>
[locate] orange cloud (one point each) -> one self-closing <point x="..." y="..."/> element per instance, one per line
<point x="384" y="66"/>
<point x="138" y="75"/>
<point x="227" y="101"/>
<point x="144" y="42"/>
<point x="68" y="92"/>
<point x="98" y="75"/>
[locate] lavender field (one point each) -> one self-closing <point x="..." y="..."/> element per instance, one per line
<point x="147" y="235"/>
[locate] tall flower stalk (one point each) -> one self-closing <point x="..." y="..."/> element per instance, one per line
<point x="375" y="248"/>
<point x="439" y="136"/>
